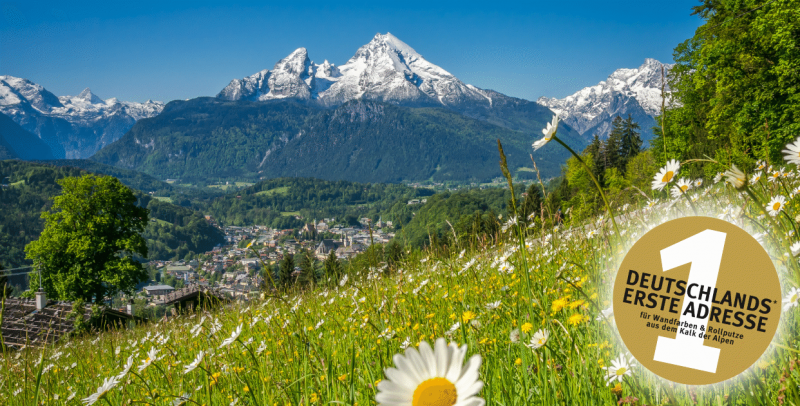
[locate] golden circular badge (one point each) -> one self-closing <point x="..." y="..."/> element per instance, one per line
<point x="697" y="300"/>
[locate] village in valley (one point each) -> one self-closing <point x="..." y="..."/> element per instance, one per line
<point x="235" y="269"/>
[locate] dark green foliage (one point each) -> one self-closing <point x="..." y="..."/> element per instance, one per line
<point x="33" y="184"/>
<point x="469" y="211"/>
<point x="308" y="268"/>
<point x="131" y="179"/>
<point x="91" y="234"/>
<point x="286" y="270"/>
<point x="176" y="231"/>
<point x="264" y="202"/>
<point x="393" y="254"/>
<point x="735" y="84"/>
<point x="332" y="267"/>
<point x="611" y="151"/>
<point x="631" y="143"/>
<point x="207" y="138"/>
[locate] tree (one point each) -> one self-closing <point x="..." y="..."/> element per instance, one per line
<point x="631" y="141"/>
<point x="308" y="268"/>
<point x="285" y="272"/>
<point x="331" y="266"/>
<point x="91" y="234"/>
<point x="735" y="84"/>
<point x="393" y="254"/>
<point x="613" y="146"/>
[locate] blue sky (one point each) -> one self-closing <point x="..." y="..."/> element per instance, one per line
<point x="183" y="49"/>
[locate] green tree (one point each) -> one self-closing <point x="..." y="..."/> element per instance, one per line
<point x="286" y="269"/>
<point x="91" y="234"/>
<point x="631" y="141"/>
<point x="393" y="253"/>
<point x="308" y="268"/>
<point x="735" y="84"/>
<point x="612" y="157"/>
<point x="596" y="149"/>
<point x="332" y="266"/>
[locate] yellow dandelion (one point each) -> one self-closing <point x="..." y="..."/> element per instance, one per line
<point x="527" y="327"/>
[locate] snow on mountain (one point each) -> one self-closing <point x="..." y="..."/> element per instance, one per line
<point x="386" y="69"/>
<point x="73" y="126"/>
<point x="626" y="91"/>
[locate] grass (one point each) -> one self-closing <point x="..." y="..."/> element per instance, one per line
<point x="329" y="344"/>
<point x="290" y="213"/>
<point x="274" y="191"/>
<point x="163" y="199"/>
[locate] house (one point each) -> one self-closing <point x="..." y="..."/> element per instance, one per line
<point x="179" y="268"/>
<point x="324" y="248"/>
<point x="158" y="290"/>
<point x="38" y="322"/>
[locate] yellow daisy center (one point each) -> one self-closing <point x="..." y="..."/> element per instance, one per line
<point x="684" y="188"/>
<point x="793" y="299"/>
<point x="621" y="371"/>
<point x="541" y="341"/>
<point x="435" y="392"/>
<point x="668" y="176"/>
<point x="776" y="206"/>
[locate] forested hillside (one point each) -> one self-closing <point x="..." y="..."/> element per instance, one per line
<point x="275" y="202"/>
<point x="30" y="187"/>
<point x="205" y="140"/>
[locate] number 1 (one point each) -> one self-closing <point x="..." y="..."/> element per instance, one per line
<point x="704" y="252"/>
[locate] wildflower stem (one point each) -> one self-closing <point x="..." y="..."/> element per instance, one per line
<point x="689" y="199"/>
<point x="597" y="184"/>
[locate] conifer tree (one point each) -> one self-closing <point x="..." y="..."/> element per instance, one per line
<point x="631" y="141"/>
<point x="331" y="266"/>
<point x="308" y="268"/>
<point x="287" y="267"/>
<point x="613" y="145"/>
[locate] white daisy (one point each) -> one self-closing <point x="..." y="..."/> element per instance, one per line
<point x="618" y="369"/>
<point x="775" y="205"/>
<point x="718" y="177"/>
<point x="792" y="152"/>
<point x="680" y="188"/>
<point x="432" y="377"/>
<point x="539" y="339"/>
<point x="735" y="177"/>
<point x="493" y="305"/>
<point x="755" y="178"/>
<point x="548" y="132"/>
<point x="126" y="369"/>
<point x="697" y="183"/>
<point x="760" y="165"/>
<point x="666" y="174"/>
<point x="152" y="355"/>
<point x="791" y="299"/>
<point x="234" y="335"/>
<point x="191" y="367"/>
<point x="795" y="248"/>
<point x="108" y="384"/>
<point x="776" y="174"/>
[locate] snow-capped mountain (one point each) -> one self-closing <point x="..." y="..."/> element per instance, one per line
<point x="386" y="69"/>
<point x="72" y="126"/>
<point x="626" y="91"/>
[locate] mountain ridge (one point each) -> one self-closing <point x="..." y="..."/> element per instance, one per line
<point x="626" y="91"/>
<point x="71" y="126"/>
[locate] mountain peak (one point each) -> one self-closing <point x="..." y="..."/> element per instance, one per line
<point x="88" y="96"/>
<point x="635" y="91"/>
<point x="385" y="69"/>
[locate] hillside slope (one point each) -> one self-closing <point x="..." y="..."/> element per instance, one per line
<point x="206" y="138"/>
